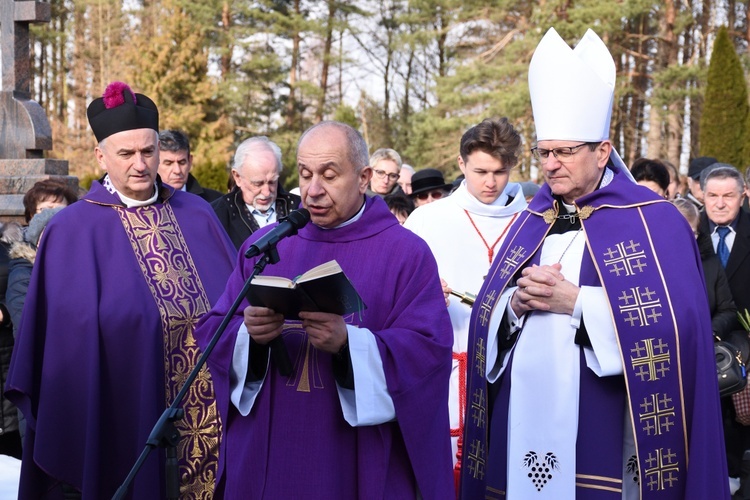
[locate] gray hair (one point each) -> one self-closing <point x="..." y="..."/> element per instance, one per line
<point x="357" y="152"/>
<point x="721" y="171"/>
<point x="687" y="209"/>
<point x="254" y="144"/>
<point x="103" y="143"/>
<point x="386" y="154"/>
<point x="408" y="168"/>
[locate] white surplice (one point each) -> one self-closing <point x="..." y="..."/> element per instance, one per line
<point x="545" y="388"/>
<point x="462" y="258"/>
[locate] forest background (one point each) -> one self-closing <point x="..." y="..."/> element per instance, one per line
<point x="411" y="75"/>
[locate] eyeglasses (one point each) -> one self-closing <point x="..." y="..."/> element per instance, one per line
<point x="436" y="195"/>
<point x="562" y="154"/>
<point x="382" y="173"/>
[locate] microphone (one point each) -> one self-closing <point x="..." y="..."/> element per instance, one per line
<point x="288" y="226"/>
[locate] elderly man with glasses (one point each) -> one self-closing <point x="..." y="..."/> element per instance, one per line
<point x="258" y="199"/>
<point x="386" y="167"/>
<point x="591" y="356"/>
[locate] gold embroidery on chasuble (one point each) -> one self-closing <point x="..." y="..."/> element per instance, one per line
<point x="475" y="459"/>
<point x="478" y="408"/>
<point x="512" y="261"/>
<point x="650" y="359"/>
<point x="306" y="375"/>
<point x="657" y="414"/>
<point x="493" y="494"/>
<point x="642" y="308"/>
<point x="662" y="465"/>
<point x="169" y="271"/>
<point x="625" y="258"/>
<point x="306" y="370"/>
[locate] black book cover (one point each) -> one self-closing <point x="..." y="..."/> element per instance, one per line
<point x="323" y="288"/>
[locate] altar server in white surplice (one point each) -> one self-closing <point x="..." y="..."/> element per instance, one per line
<point x="464" y="232"/>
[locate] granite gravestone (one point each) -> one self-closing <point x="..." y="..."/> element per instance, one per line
<point x="25" y="132"/>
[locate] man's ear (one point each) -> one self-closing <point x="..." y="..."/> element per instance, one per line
<point x="461" y="164"/>
<point x="100" y="158"/>
<point x="603" y="150"/>
<point x="365" y="175"/>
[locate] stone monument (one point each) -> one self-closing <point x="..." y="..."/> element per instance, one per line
<point x="25" y="132"/>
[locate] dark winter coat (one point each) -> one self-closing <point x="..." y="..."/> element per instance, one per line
<point x="237" y="219"/>
<point x="192" y="186"/>
<point x="720" y="302"/>
<point x="8" y="411"/>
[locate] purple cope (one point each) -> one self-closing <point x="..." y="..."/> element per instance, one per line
<point x="672" y="321"/>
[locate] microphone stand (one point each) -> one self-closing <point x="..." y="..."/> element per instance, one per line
<point x="165" y="434"/>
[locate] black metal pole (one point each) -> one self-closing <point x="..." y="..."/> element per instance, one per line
<point x="162" y="435"/>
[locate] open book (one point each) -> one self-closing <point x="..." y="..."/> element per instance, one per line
<point x="323" y="288"/>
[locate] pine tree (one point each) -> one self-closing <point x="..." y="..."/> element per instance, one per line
<point x="725" y="106"/>
<point x="172" y="69"/>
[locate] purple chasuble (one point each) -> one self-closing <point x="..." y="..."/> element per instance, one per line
<point x="295" y="442"/>
<point x="642" y="252"/>
<point x="107" y="340"/>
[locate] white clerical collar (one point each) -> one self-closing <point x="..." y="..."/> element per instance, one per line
<point x="352" y="220"/>
<point x="129" y="202"/>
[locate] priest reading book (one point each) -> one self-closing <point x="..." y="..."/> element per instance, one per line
<point x="323" y="288"/>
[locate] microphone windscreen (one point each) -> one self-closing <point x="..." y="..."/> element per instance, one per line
<point x="299" y="218"/>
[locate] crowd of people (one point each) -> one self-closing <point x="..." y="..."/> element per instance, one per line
<point x="548" y="340"/>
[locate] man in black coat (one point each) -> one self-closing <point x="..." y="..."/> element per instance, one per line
<point x="258" y="199"/>
<point x="724" y="188"/>
<point x="175" y="162"/>
<point x="728" y="228"/>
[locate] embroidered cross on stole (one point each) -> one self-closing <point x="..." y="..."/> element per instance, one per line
<point x="644" y="323"/>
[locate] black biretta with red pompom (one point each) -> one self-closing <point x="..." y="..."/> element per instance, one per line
<point x="121" y="109"/>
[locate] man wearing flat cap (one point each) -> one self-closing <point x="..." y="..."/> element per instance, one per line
<point x="591" y="336"/>
<point x="106" y="338"/>
<point x="695" y="169"/>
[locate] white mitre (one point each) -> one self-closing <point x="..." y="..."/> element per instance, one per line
<point x="572" y="90"/>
